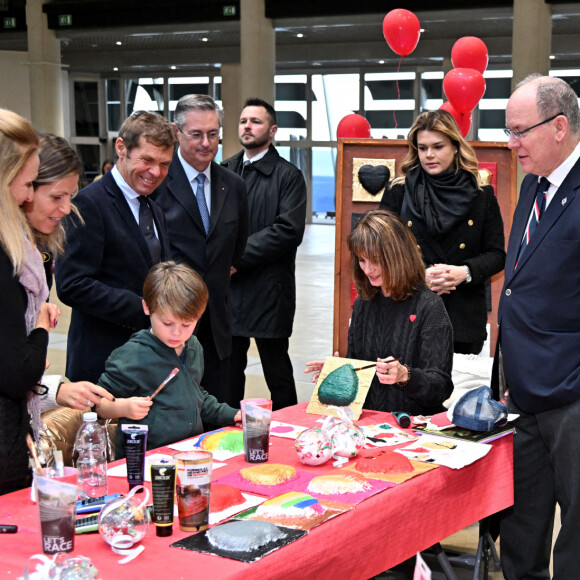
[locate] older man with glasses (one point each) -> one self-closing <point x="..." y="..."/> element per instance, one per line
<point x="539" y="332"/>
<point x="206" y="209"/>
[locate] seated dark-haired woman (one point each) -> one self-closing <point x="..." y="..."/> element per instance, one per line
<point x="397" y="320"/>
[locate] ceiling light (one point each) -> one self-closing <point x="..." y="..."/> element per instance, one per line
<point x="173" y="67"/>
<point x="118" y="43"/>
<point x="552" y="57"/>
<point x="299" y="35"/>
<point x="115" y="68"/>
<point x="381" y="62"/>
<point x="421" y="30"/>
<point x="204" y="39"/>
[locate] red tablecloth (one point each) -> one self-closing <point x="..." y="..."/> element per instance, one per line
<point x="380" y="532"/>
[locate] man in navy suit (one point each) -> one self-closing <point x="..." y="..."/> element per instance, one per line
<point x="108" y="255"/>
<point x="539" y="326"/>
<point x="210" y="238"/>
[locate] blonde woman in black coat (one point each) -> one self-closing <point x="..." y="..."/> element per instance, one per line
<point x="457" y="223"/>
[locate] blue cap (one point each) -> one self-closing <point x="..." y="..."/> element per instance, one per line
<point x="478" y="411"/>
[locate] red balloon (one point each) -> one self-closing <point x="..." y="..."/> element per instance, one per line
<point x="401" y="29"/>
<point x="464" y="88"/>
<point x="470" y="52"/>
<point x="463" y="120"/>
<point x="354" y="126"/>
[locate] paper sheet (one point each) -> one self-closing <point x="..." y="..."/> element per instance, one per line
<point x="445" y="451"/>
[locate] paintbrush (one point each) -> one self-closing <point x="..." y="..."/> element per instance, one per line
<point x="390" y="359"/>
<point x="169" y="377"/>
<point x="32" y="449"/>
<point x="365" y="367"/>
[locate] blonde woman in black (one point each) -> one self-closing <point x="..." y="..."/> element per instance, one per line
<point x="456" y="221"/>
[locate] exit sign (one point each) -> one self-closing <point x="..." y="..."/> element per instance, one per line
<point x="10" y="22"/>
<point x="65" y="19"/>
<point x="229" y="10"/>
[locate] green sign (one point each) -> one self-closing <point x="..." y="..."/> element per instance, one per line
<point x="10" y="22"/>
<point x="65" y="19"/>
<point x="229" y="10"/>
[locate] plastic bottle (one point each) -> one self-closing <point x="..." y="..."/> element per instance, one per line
<point x="91" y="446"/>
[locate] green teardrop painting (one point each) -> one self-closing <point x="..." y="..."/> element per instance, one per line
<point x="339" y="387"/>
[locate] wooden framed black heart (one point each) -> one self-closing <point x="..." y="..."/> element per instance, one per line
<point x="374" y="177"/>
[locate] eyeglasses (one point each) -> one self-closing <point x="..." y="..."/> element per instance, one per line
<point x="198" y="135"/>
<point x="519" y="134"/>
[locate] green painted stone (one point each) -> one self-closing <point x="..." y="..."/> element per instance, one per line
<point x="340" y="387"/>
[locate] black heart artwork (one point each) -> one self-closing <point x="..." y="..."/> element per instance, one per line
<point x="374" y="177"/>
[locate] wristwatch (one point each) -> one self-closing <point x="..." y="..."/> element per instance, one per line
<point x="467" y="275"/>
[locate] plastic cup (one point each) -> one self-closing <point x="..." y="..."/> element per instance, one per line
<point x="57" y="502"/>
<point x="256" y="416"/>
<point x="70" y="476"/>
<point x="193" y="478"/>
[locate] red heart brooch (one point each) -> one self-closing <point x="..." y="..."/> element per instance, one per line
<point x="412" y="317"/>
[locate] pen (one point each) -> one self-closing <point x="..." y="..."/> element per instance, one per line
<point x="8" y="529"/>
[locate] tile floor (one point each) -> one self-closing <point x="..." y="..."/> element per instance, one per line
<point x="312" y="339"/>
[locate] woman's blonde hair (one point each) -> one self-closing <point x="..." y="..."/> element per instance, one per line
<point x="58" y="160"/>
<point x="18" y="143"/>
<point x="382" y="238"/>
<point x="443" y="122"/>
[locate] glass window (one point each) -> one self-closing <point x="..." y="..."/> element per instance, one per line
<point x="389" y="104"/>
<point x="324" y="181"/>
<point x="180" y="86"/>
<point x="90" y="158"/>
<point x="113" y="90"/>
<point x="86" y="96"/>
<point x="570" y="76"/>
<point x="492" y="105"/>
<point x="144" y="94"/>
<point x="337" y="95"/>
<point x="431" y="95"/>
<point x="291" y="107"/>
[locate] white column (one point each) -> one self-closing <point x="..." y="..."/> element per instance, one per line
<point x="531" y="39"/>
<point x="45" y="71"/>
<point x="258" y="52"/>
<point x="232" y="106"/>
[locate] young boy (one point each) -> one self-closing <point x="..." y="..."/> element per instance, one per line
<point x="174" y="297"/>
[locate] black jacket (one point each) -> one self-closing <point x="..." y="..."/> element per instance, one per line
<point x="264" y="287"/>
<point x="211" y="255"/>
<point x="22" y="361"/>
<point x="101" y="274"/>
<point x="477" y="243"/>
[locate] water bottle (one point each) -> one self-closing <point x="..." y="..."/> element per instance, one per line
<point x="91" y="446"/>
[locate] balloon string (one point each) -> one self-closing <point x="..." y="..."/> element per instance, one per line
<point x="398" y="91"/>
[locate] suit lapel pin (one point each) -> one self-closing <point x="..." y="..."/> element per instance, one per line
<point x="564" y="201"/>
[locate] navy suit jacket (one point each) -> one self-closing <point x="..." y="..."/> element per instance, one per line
<point x="101" y="275"/>
<point x="539" y="311"/>
<point x="210" y="256"/>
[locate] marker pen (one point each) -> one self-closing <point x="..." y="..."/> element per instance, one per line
<point x="8" y="529"/>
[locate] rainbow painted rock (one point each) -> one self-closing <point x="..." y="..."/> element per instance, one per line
<point x="313" y="447"/>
